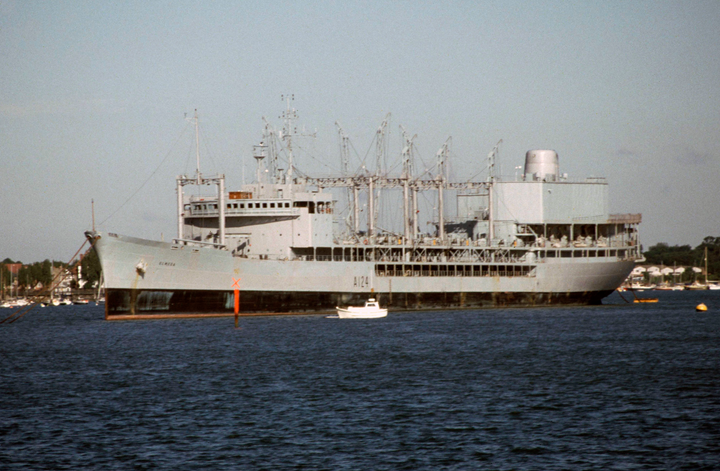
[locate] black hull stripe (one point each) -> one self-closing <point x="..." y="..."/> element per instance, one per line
<point x="125" y="301"/>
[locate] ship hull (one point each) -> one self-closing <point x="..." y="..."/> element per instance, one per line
<point x="124" y="302"/>
<point x="146" y="277"/>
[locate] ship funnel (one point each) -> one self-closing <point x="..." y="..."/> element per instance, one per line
<point x="542" y="165"/>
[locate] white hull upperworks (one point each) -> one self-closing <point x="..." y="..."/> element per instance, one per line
<point x="143" y="276"/>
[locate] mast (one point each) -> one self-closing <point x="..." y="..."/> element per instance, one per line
<point x="415" y="213"/>
<point x="180" y="213"/>
<point x="407" y="174"/>
<point x="259" y="155"/>
<point x="198" y="179"/>
<point x="344" y="150"/>
<point x="491" y="179"/>
<point x="380" y="144"/>
<point x="371" y="209"/>
<point x="442" y="156"/>
<point x="351" y="194"/>
<point x="356" y="210"/>
<point x="221" y="209"/>
<point x="197" y="147"/>
<point x="289" y="115"/>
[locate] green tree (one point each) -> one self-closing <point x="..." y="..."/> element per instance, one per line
<point x="91" y="268"/>
<point x="46" y="273"/>
<point x="713" y="256"/>
<point x="662" y="253"/>
<point x="24" y="279"/>
<point x="684" y="255"/>
<point x="5" y="277"/>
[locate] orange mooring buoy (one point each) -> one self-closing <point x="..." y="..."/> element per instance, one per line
<point x="701" y="307"/>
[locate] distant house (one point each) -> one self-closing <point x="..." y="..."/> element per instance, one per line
<point x="62" y="278"/>
<point x="14" y="268"/>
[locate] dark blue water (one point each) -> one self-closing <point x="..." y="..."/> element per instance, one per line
<point x="626" y="386"/>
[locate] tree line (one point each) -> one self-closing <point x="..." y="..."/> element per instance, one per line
<point x="29" y="275"/>
<point x="32" y="275"/>
<point x="685" y="255"/>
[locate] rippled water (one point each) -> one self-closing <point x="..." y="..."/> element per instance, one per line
<point x="624" y="386"/>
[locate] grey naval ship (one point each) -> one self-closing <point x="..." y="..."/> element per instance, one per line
<point x="535" y="239"/>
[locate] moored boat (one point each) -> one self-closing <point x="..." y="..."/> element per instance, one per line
<point x="17" y="302"/>
<point x="640" y="286"/>
<point x="669" y="287"/>
<point x="371" y="310"/>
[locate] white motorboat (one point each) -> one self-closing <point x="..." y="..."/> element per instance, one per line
<point x="371" y="310"/>
<point x="640" y="287"/>
<point x="19" y="302"/>
<point x="669" y="288"/>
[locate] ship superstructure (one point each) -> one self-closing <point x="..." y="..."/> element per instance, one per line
<point x="534" y="239"/>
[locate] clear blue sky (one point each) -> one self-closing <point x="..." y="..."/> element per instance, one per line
<point x="93" y="97"/>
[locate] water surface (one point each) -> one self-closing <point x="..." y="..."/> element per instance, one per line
<point x="621" y="386"/>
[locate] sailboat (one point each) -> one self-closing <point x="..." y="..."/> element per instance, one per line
<point x="701" y="286"/>
<point x="713" y="286"/>
<point x="671" y="287"/>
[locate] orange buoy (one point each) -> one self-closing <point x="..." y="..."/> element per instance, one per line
<point x="701" y="307"/>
